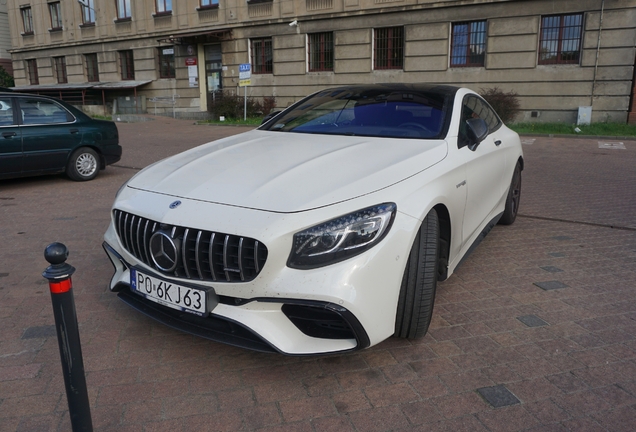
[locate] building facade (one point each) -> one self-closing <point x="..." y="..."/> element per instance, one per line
<point x="5" y="38"/>
<point x="164" y="55"/>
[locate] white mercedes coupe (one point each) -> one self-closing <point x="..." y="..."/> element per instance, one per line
<point x="324" y="230"/>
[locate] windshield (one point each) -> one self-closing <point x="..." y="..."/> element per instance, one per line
<point x="368" y="111"/>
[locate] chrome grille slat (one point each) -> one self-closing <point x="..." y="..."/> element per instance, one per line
<point x="123" y="233"/>
<point x="184" y="252"/>
<point x="197" y="257"/>
<point x="256" y="257"/>
<point x="240" y="259"/>
<point x="211" y="256"/>
<point x="225" y="243"/>
<point x="140" y="243"/>
<point x="145" y="241"/>
<point x="229" y="258"/>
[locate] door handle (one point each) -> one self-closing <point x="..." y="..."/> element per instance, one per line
<point x="498" y="143"/>
<point x="74" y="131"/>
<point x="8" y="134"/>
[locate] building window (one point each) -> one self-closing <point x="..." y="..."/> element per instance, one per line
<point x="92" y="73"/>
<point x="209" y="4"/>
<point x="32" y="70"/>
<point x="560" y="39"/>
<point x="56" y="15"/>
<point x="468" y="45"/>
<point x="320" y="51"/>
<point x="164" y="6"/>
<point x="262" y="56"/>
<point x="27" y="20"/>
<point x="388" y="48"/>
<point x="88" y="11"/>
<point x="166" y="62"/>
<point x="123" y="9"/>
<point x="127" y="65"/>
<point x="60" y="69"/>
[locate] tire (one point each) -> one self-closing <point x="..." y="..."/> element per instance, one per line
<point x="83" y="164"/>
<point x="417" y="292"/>
<point x="513" y="199"/>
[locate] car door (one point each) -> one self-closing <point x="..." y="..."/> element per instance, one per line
<point x="485" y="168"/>
<point x="48" y="135"/>
<point x="10" y="140"/>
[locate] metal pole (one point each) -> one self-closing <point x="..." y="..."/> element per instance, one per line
<point x="245" y="103"/>
<point x="59" y="276"/>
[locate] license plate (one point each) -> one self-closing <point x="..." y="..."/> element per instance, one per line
<point x="176" y="296"/>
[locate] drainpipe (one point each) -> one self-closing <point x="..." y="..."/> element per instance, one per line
<point x="598" y="50"/>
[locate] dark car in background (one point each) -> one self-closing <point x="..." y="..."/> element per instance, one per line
<point x="44" y="135"/>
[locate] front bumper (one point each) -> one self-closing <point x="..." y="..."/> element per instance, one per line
<point x="335" y="326"/>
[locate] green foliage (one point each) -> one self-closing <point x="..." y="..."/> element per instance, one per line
<point x="505" y="104"/>
<point x="232" y="106"/>
<point x="594" y="129"/>
<point x="6" y="80"/>
<point x="101" y="117"/>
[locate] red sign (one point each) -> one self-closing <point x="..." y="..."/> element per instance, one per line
<point x="191" y="61"/>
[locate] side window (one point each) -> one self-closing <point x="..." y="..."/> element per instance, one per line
<point x="475" y="107"/>
<point x="6" y="112"/>
<point x="40" y="111"/>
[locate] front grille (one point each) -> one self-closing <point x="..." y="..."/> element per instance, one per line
<point x="201" y="255"/>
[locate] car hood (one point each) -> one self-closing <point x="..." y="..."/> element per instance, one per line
<point x="288" y="172"/>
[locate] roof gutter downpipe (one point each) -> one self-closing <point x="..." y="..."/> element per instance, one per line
<point x="598" y="50"/>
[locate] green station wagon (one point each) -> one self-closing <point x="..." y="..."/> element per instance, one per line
<point x="44" y="135"/>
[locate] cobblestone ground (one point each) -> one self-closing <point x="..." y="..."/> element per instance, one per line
<point x="541" y="319"/>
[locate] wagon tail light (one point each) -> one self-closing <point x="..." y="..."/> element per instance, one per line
<point x="341" y="238"/>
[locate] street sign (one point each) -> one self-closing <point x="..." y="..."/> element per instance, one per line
<point x="245" y="74"/>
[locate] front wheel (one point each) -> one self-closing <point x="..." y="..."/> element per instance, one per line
<point x="417" y="292"/>
<point x="513" y="199"/>
<point x="83" y="164"/>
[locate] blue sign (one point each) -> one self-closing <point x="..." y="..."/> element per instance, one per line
<point x="244" y="67"/>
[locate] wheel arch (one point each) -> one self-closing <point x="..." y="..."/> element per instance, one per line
<point x="443" y="216"/>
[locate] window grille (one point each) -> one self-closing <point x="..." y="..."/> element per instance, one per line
<point x="60" y="69"/>
<point x="262" y="56"/>
<point x="92" y="72"/>
<point x="32" y="68"/>
<point x="468" y="45"/>
<point x="388" y="47"/>
<point x="320" y="51"/>
<point x="127" y="65"/>
<point x="560" y="39"/>
<point x="166" y="62"/>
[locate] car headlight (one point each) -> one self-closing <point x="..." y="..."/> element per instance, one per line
<point x="341" y="238"/>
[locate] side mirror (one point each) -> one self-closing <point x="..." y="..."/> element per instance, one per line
<point x="477" y="131"/>
<point x="270" y="116"/>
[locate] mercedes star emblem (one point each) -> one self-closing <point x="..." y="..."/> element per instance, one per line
<point x="164" y="251"/>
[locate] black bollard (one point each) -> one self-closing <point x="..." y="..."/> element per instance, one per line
<point x="59" y="276"/>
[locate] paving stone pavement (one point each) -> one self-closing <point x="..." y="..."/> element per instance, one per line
<point x="561" y="358"/>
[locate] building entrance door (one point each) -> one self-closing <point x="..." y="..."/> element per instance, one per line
<point x="213" y="68"/>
